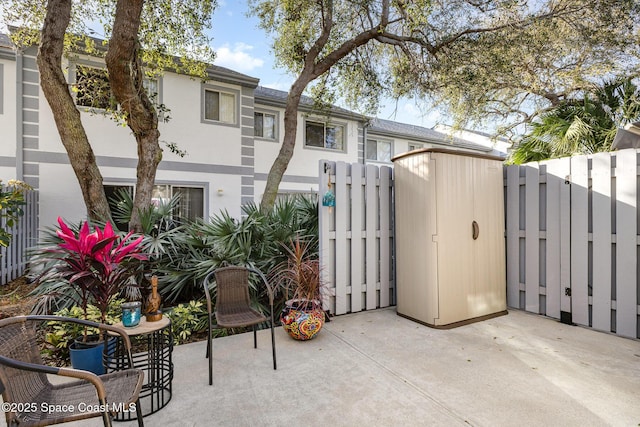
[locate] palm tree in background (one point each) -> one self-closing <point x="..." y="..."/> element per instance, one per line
<point x="581" y="126"/>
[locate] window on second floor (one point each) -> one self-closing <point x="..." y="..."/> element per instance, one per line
<point x="323" y="135"/>
<point x="92" y="88"/>
<point x="414" y="146"/>
<point x="219" y="106"/>
<point x="264" y="125"/>
<point x="378" y="150"/>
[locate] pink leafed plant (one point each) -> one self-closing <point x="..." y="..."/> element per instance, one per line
<point x="97" y="264"/>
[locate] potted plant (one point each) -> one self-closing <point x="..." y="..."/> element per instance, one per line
<point x="299" y="277"/>
<point x="97" y="265"/>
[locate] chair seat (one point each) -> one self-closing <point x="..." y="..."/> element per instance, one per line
<point x="122" y="388"/>
<point x="238" y="318"/>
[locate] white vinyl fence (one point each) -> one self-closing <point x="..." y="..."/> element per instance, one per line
<point x="572" y="240"/>
<point x="356" y="237"/>
<point x="13" y="262"/>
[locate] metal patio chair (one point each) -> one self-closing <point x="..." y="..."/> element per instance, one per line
<point x="34" y="401"/>
<point x="233" y="306"/>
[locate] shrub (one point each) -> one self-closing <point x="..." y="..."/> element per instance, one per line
<point x="187" y="319"/>
<point x="59" y="335"/>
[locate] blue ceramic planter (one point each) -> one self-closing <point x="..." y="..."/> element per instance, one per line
<point x="88" y="356"/>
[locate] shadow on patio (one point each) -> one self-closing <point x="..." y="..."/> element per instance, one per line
<point x="378" y="369"/>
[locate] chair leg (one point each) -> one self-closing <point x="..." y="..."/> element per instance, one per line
<point x="255" y="337"/>
<point x="139" y="413"/>
<point x="273" y="346"/>
<point x="208" y="343"/>
<point x="210" y="354"/>
<point x="106" y="416"/>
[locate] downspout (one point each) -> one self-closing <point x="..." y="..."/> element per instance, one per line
<point x="19" y="103"/>
<point x="364" y="141"/>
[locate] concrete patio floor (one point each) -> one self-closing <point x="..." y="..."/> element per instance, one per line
<point x="378" y="369"/>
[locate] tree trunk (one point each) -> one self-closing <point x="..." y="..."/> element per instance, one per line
<point x="126" y="77"/>
<point x="281" y="162"/>
<point x="65" y="113"/>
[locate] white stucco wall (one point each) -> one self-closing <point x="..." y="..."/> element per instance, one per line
<point x="8" y="120"/>
<point x="207" y="145"/>
<point x="304" y="162"/>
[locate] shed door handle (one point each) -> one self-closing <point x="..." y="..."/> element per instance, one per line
<point x="476" y="230"/>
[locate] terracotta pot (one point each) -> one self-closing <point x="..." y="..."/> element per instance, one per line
<point x="302" y="319"/>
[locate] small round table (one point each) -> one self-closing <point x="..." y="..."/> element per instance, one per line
<point x="151" y="349"/>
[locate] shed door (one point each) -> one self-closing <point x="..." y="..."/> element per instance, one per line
<point x="455" y="201"/>
<point x="488" y="247"/>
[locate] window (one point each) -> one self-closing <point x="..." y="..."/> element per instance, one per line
<point x="219" y="106"/>
<point x="190" y="205"/>
<point x="378" y="150"/>
<point x="115" y="205"/>
<point x="151" y="87"/>
<point x="264" y="125"/>
<point x="92" y="88"/>
<point x="414" y="147"/>
<point x="318" y="134"/>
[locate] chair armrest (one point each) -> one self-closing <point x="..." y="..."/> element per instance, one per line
<point x="65" y="372"/>
<point x="206" y="282"/>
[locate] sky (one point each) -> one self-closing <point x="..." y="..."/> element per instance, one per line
<point x="242" y="46"/>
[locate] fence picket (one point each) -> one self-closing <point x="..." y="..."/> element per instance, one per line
<point x="342" y="262"/>
<point x="385" y="242"/>
<point x="371" y="246"/>
<point x="513" y="236"/>
<point x="532" y="235"/>
<point x="626" y="243"/>
<point x="579" y="240"/>
<point x="555" y="181"/>
<point x="601" y="214"/>
<point x="357" y="243"/>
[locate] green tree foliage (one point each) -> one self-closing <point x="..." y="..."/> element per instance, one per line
<point x="11" y="202"/>
<point x="581" y="126"/>
<point x="512" y="75"/>
<point x="143" y="37"/>
<point x="474" y="58"/>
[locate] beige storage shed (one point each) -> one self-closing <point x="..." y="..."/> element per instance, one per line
<point x="450" y="250"/>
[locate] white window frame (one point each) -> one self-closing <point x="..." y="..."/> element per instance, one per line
<point x="378" y="141"/>
<point x="222" y="91"/>
<point x="170" y="186"/>
<point x="276" y="123"/>
<point x="415" y="146"/>
<point x="326" y="124"/>
<point x="74" y="80"/>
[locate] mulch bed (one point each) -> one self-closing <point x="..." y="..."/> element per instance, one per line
<point x="15" y="299"/>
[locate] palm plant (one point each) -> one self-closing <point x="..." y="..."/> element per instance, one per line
<point x="581" y="126"/>
<point x="257" y="240"/>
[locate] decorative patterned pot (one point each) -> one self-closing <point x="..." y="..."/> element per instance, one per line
<point x="302" y="319"/>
